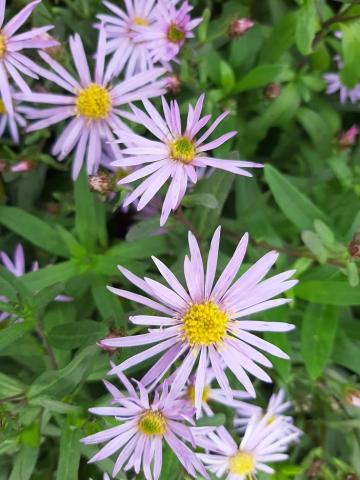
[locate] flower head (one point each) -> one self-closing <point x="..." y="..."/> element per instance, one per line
<point x="275" y="410"/>
<point x="93" y="104"/>
<point x="204" y="321"/>
<point x="146" y="422"/>
<point x="176" y="154"/>
<point x="121" y="27"/>
<point x="239" y="27"/>
<point x="334" y="84"/>
<point x="12" y="122"/>
<point x="12" y="62"/>
<point x="263" y="442"/>
<point x="166" y="36"/>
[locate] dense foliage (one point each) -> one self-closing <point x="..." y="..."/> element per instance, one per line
<point x="305" y="203"/>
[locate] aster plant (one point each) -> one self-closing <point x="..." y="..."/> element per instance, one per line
<point x="13" y="63"/>
<point x="177" y="155"/>
<point x="93" y="105"/>
<point x="205" y="321"/>
<point x="145" y="423"/>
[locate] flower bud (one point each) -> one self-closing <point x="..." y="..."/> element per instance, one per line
<point x="353" y="398"/>
<point x="112" y="334"/>
<point x="238" y="28"/>
<point x="354" y="247"/>
<point x="272" y="91"/>
<point x="22" y="166"/>
<point x="3" y="166"/>
<point x="101" y="183"/>
<point x="173" y="84"/>
<point x="348" y="138"/>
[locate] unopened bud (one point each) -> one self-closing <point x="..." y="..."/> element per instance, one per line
<point x="348" y="138"/>
<point x="22" y="167"/>
<point x="101" y="183"/>
<point x="173" y="84"/>
<point x="353" y="398"/>
<point x="315" y="469"/>
<point x="52" y="208"/>
<point x="272" y="91"/>
<point x="112" y="334"/>
<point x="354" y="247"/>
<point x="56" y="50"/>
<point x="238" y="28"/>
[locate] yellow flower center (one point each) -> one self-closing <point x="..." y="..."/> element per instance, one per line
<point x="2" y="108"/>
<point x="242" y="463"/>
<point x="204" y="324"/>
<point x="152" y="423"/>
<point x="93" y="102"/>
<point x="182" y="150"/>
<point x="271" y="419"/>
<point x="191" y="394"/>
<point x="140" y="21"/>
<point x="175" y="34"/>
<point x="2" y="45"/>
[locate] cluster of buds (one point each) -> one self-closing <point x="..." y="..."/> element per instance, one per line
<point x="239" y="27"/>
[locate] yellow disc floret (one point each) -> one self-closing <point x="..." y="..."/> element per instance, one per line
<point x="175" y="34"/>
<point x="182" y="150"/>
<point x="204" y="324"/>
<point x="152" y="423"/>
<point x="93" y="102"/>
<point x="2" y="108"/>
<point x="140" y="21"/>
<point x="242" y="463"/>
<point x="191" y="394"/>
<point x="2" y="45"/>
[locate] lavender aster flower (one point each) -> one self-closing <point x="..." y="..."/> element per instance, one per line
<point x="205" y="321"/>
<point x="334" y="84"/>
<point x="12" y="62"/>
<point x="167" y="35"/>
<point x="263" y="442"/>
<point x="94" y="105"/>
<point x="17" y="268"/>
<point x="275" y="410"/>
<point x="121" y="29"/>
<point x="12" y="122"/>
<point x="174" y="155"/>
<point x="145" y="424"/>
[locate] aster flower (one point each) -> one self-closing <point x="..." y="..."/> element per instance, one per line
<point x="93" y="105"/>
<point x="173" y="155"/>
<point x="12" y="62"/>
<point x="275" y="410"/>
<point x="146" y="422"/>
<point x="166" y="36"/>
<point x="216" y="395"/>
<point x="263" y="442"/>
<point x="334" y="84"/>
<point x="205" y="321"/>
<point x="12" y="122"/>
<point x="17" y="268"/>
<point x="121" y="29"/>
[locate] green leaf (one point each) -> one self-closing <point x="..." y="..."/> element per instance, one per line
<point x="25" y="462"/>
<point x="346" y="353"/>
<point x="203" y="199"/>
<point x="149" y="227"/>
<point x="318" y="331"/>
<point x="262" y="75"/>
<point x="298" y="208"/>
<point x="108" y="304"/>
<point x="69" y="458"/>
<point x="214" y="421"/>
<point x="328" y="292"/>
<point x="50" y="275"/>
<point x="350" y="74"/>
<point x="75" y="334"/>
<point x="314" y="244"/>
<point x="325" y="233"/>
<point x="306" y="27"/>
<point x="281" y="38"/>
<point x="32" y="229"/>
<point x="316" y="127"/>
<point x="9" y="386"/>
<point x="14" y="332"/>
<point x="227" y="76"/>
<point x="60" y="382"/>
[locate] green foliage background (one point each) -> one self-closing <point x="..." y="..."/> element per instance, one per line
<point x="305" y="203"/>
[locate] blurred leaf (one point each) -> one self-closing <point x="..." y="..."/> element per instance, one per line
<point x="346" y="353"/>
<point x="214" y="421"/>
<point x="227" y="76"/>
<point x="50" y="275"/>
<point x="69" y="458"/>
<point x="9" y="386"/>
<point x="294" y="204"/>
<point x="281" y="38"/>
<point x="76" y="334"/>
<point x="24" y="464"/>
<point x="32" y="229"/>
<point x="262" y="75"/>
<point x="14" y="332"/>
<point x="146" y="228"/>
<point x="350" y="74"/>
<point x="203" y="199"/>
<point x="314" y="244"/>
<point x="328" y="292"/>
<point x="318" y="331"/>
<point x="306" y="26"/>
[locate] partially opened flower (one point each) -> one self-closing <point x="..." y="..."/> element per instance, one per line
<point x="12" y="122"/>
<point x="175" y="154"/>
<point x="204" y="322"/>
<point x="12" y="62"/>
<point x="263" y="442"/>
<point x="275" y="409"/>
<point x="17" y="267"/>
<point x="215" y="395"/>
<point x="335" y="84"/>
<point x="121" y="29"/>
<point x="145" y="423"/>
<point x="167" y="34"/>
<point x="92" y="103"/>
